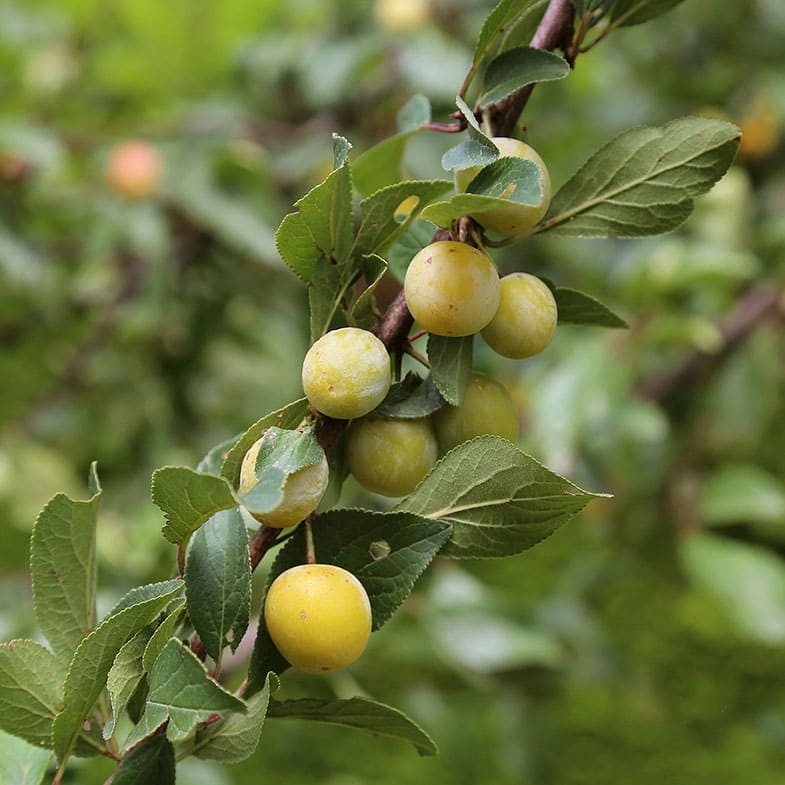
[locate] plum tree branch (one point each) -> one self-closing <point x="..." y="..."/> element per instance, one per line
<point x="554" y="32"/>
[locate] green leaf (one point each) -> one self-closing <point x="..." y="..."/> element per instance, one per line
<point x="187" y="499"/>
<point x="645" y="180"/>
<point x="289" y="417"/>
<point x="21" y="763"/>
<point x="94" y="658"/>
<point x="327" y="212"/>
<point x="504" y="17"/>
<point x="451" y="365"/>
<point x="62" y="562"/>
<point x="575" y="307"/>
<point x="518" y="67"/>
<point x="349" y="539"/>
<point x="387" y="551"/>
<point x="411" y="398"/>
<point x="182" y="693"/>
<point x="414" y="113"/>
<point x="742" y="493"/>
<point x="385" y="214"/>
<point x="31" y="686"/>
<point x="444" y="213"/>
<point x="625" y="13"/>
<point x="125" y="675"/>
<point x="374" y="269"/>
<point x="212" y="462"/>
<point x="149" y="591"/>
<point x="417" y="235"/>
<point x="516" y="180"/>
<point x="281" y="453"/>
<point x="748" y="581"/>
<point x="218" y="581"/>
<point x="477" y="150"/>
<point x="326" y="292"/>
<point x="234" y="739"/>
<point x="150" y="763"/>
<point x="165" y="630"/>
<point x="499" y="500"/>
<point x="381" y="165"/>
<point x="359" y="713"/>
<point x="341" y="149"/>
<point x="296" y="246"/>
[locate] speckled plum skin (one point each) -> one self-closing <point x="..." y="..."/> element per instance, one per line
<point x="390" y="456"/>
<point x="451" y="288"/>
<point x="346" y="373"/>
<point x="487" y="408"/>
<point x="517" y="217"/>
<point x="302" y="490"/>
<point x="318" y="616"/>
<point x="526" y="319"/>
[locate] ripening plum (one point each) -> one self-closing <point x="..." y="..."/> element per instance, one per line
<point x="515" y="218"/>
<point x="346" y="373"/>
<point x="318" y="616"/>
<point x="302" y="490"/>
<point x="487" y="408"/>
<point x="526" y="320"/>
<point x="452" y="288"/>
<point x="390" y="456"/>
<point x="135" y="169"/>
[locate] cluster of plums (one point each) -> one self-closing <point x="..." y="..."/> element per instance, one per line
<point x="319" y="615"/>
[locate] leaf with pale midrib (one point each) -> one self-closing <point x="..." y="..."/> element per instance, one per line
<point x="358" y="713"/>
<point x="499" y="500"/>
<point x="644" y="181"/>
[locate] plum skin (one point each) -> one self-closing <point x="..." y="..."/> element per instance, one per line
<point x="346" y="373"/>
<point x="451" y="288"/>
<point x="318" y="616"/>
<point x="390" y="456"/>
<point x="526" y="320"/>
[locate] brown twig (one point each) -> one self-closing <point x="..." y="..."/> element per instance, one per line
<point x="757" y="304"/>
<point x="554" y="32"/>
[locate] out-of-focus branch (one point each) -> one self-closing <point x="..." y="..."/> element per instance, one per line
<point x="756" y="305"/>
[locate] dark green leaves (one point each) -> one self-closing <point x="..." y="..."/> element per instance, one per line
<point x="188" y="498"/>
<point x="505" y="180"/>
<point x="359" y="713"/>
<point x="322" y="229"/>
<point x="387" y="213"/>
<point x="281" y="453"/>
<point x="411" y="398"/>
<point x="234" y="739"/>
<point x="288" y="417"/>
<point x="31" y="685"/>
<point x="498" y="499"/>
<point x="578" y="308"/>
<point x="504" y="17"/>
<point x="645" y="180"/>
<point x="477" y="150"/>
<point x="151" y="763"/>
<point x="62" y="562"/>
<point x="518" y="67"/>
<point x="451" y="365"/>
<point x="181" y="692"/>
<point x="218" y="581"/>
<point x="94" y="657"/>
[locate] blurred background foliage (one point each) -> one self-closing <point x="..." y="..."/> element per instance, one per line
<point x="645" y="641"/>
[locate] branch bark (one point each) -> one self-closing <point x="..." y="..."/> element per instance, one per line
<point x="554" y="32"/>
